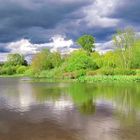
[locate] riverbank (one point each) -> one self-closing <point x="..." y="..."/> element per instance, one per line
<point x="83" y="79"/>
<point x="103" y="78"/>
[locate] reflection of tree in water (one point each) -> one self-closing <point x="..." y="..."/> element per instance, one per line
<point x="44" y="93"/>
<point x="88" y="107"/>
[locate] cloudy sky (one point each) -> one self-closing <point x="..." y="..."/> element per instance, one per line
<point x="27" y="26"/>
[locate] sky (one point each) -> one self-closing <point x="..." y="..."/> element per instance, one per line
<point x="28" y="26"/>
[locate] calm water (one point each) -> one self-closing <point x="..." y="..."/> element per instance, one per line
<point x="68" y="111"/>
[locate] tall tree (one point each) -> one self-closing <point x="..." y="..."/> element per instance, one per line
<point x="86" y="42"/>
<point x="123" y="42"/>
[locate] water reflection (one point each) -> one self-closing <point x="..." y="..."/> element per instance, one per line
<point x="72" y="111"/>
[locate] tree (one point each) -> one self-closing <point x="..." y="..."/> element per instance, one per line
<point x="111" y="59"/>
<point x="56" y="59"/>
<point x="45" y="60"/>
<point x="80" y="60"/>
<point x="15" y="59"/>
<point x="123" y="42"/>
<point x="135" y="61"/>
<point x="86" y="42"/>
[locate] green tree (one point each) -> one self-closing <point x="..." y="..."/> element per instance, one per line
<point x="45" y="60"/>
<point x="15" y="59"/>
<point x="135" y="61"/>
<point x="123" y="42"/>
<point x="86" y="42"/>
<point x="110" y="59"/>
<point x="56" y="59"/>
<point x="41" y="61"/>
<point x="80" y="60"/>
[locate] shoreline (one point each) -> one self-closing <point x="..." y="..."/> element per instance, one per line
<point x="84" y="79"/>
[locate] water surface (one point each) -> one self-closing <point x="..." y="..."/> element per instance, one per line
<point x="68" y="111"/>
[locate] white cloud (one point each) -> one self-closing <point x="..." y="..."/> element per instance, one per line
<point x="104" y="47"/>
<point x="22" y="46"/>
<point x="57" y="43"/>
<point x="98" y="13"/>
<point x="60" y="44"/>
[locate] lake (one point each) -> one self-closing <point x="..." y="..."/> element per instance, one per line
<point x="32" y="110"/>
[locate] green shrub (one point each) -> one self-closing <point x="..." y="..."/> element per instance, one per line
<point x="29" y="72"/>
<point x="8" y="70"/>
<point x="80" y="60"/>
<point x="74" y="74"/>
<point x="46" y="74"/>
<point x="54" y="73"/>
<point x="21" y="69"/>
<point x="80" y="73"/>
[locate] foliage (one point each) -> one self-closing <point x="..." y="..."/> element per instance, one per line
<point x="104" y="78"/>
<point x="21" y="69"/>
<point x="74" y="74"/>
<point x="8" y="70"/>
<point x="110" y="59"/>
<point x="123" y="42"/>
<point x="135" y="60"/>
<point x="15" y="59"/>
<point x="86" y="42"/>
<point x="45" y="60"/>
<point x="80" y="60"/>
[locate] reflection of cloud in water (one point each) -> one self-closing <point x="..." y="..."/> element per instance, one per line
<point x="25" y="96"/>
<point x="22" y="97"/>
<point x="60" y="104"/>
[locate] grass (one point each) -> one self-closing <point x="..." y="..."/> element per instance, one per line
<point x="115" y="78"/>
<point x="87" y="78"/>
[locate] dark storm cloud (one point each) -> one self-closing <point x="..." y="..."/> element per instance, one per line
<point x="128" y="11"/>
<point x="40" y="20"/>
<point x="20" y="18"/>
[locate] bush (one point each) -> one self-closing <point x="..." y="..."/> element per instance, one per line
<point x="80" y="60"/>
<point x="54" y="73"/>
<point x="8" y="70"/>
<point x="29" y="72"/>
<point x="21" y="70"/>
<point x="45" y="60"/>
<point x="74" y="74"/>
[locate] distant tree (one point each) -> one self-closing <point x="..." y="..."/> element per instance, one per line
<point x="86" y="42"/>
<point x="45" y="60"/>
<point x="123" y="42"/>
<point x="16" y="59"/>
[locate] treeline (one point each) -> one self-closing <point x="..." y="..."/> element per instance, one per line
<point x="124" y="59"/>
<point x="15" y="64"/>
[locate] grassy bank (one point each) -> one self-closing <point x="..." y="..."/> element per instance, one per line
<point x="83" y="79"/>
<point x="115" y="78"/>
